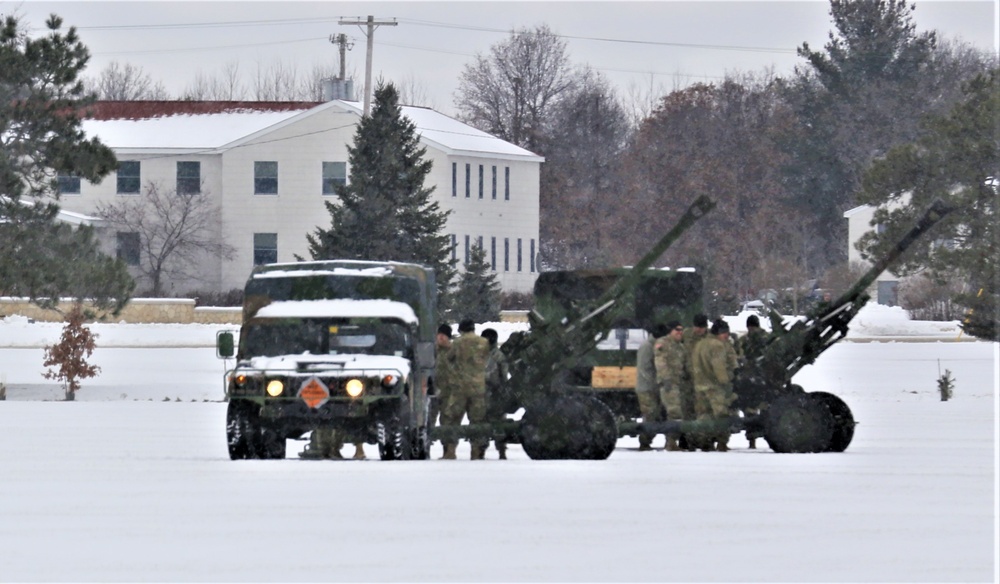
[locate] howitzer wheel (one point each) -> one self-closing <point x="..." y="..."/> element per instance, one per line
<point x="843" y="420"/>
<point x="565" y="427"/>
<point x="799" y="423"/>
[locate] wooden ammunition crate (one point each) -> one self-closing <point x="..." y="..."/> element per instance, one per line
<point x="613" y="378"/>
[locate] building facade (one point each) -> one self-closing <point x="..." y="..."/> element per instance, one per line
<point x="268" y="169"/>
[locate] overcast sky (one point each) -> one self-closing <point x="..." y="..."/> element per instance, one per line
<point x="635" y="44"/>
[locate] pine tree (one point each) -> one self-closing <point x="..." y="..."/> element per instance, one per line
<point x="855" y="100"/>
<point x="477" y="296"/>
<point x="41" y="99"/>
<point x="957" y="161"/>
<point x="384" y="212"/>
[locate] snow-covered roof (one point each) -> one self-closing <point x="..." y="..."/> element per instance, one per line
<point x="218" y="129"/>
<point x="340" y="308"/>
<point x="453" y="136"/>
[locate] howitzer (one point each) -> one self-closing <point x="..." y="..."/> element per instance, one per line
<point x="790" y="419"/>
<point x="559" y="423"/>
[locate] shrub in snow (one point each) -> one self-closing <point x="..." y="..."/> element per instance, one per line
<point x="69" y="355"/>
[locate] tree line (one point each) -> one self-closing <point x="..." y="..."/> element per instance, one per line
<point x="880" y="113"/>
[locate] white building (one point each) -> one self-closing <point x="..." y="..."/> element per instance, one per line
<point x="859" y="221"/>
<point x="269" y="168"/>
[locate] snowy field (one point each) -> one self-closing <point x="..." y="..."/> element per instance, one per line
<point x="132" y="482"/>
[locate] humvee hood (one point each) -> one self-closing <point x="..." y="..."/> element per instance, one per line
<point x="332" y="365"/>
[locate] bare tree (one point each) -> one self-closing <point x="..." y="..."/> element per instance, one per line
<point x="173" y="230"/>
<point x="126" y="82"/>
<point x="413" y="91"/>
<point x="278" y="81"/>
<point x="510" y="91"/>
<point x="588" y="133"/>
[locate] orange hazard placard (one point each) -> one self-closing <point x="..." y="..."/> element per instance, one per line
<point x="314" y="392"/>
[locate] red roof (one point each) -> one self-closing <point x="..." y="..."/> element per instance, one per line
<point x="138" y="110"/>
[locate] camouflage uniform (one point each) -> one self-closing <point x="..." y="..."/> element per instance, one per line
<point x="646" y="390"/>
<point x="326" y="443"/>
<point x="713" y="387"/>
<point x="670" y="358"/>
<point x="443" y="381"/>
<point x="751" y="346"/>
<point x="691" y="340"/>
<point x="467" y="359"/>
<point x="496" y="397"/>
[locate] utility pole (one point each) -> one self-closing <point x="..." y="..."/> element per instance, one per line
<point x="345" y="45"/>
<point x="370" y="24"/>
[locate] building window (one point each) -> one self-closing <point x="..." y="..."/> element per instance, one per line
<point x="506" y="183"/>
<point x="128" y="177"/>
<point x="68" y="184"/>
<point x="493" y="253"/>
<point x="454" y="179"/>
<point x="127" y="247"/>
<point x="479" y="243"/>
<point x="531" y="257"/>
<point x="518" y="254"/>
<point x="466" y="250"/>
<point x="468" y="181"/>
<point x="265" y="248"/>
<point x="188" y="178"/>
<point x="494" y="183"/>
<point x="265" y="177"/>
<point x="454" y="247"/>
<point x="506" y="254"/>
<point x="480" y="181"/>
<point x="334" y="175"/>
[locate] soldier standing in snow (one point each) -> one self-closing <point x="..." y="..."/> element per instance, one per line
<point x="750" y="347"/>
<point x="713" y="378"/>
<point x="646" y="387"/>
<point x="497" y="374"/>
<point x="467" y="358"/>
<point x="670" y="359"/>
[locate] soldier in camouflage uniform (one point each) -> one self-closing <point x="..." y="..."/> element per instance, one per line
<point x="670" y="357"/>
<point x="751" y="346"/>
<point x="497" y="374"/>
<point x="646" y="388"/>
<point x="713" y="377"/>
<point x="692" y="336"/>
<point x="467" y="358"/>
<point x="442" y="372"/>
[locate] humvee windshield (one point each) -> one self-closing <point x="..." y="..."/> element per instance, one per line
<point x="325" y="336"/>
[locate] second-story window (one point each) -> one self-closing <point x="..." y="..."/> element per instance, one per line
<point x="265" y="177"/>
<point x="128" y="177"/>
<point x="494" y="183"/>
<point x="468" y="181"/>
<point x="454" y="179"/>
<point x="334" y="176"/>
<point x="506" y="183"/>
<point x="188" y="178"/>
<point x="480" y="181"/>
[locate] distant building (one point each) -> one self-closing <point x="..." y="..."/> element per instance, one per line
<point x="270" y="166"/>
<point x="859" y="223"/>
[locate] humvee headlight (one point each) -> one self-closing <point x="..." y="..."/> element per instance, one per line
<point x="354" y="387"/>
<point x="389" y="380"/>
<point x="240" y="380"/>
<point x="275" y="387"/>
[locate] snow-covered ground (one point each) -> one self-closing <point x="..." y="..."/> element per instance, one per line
<point x="132" y="482"/>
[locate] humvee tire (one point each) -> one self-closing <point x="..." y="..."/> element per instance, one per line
<point x="242" y="430"/>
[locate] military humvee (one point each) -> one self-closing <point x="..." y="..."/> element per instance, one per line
<point x="336" y="344"/>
